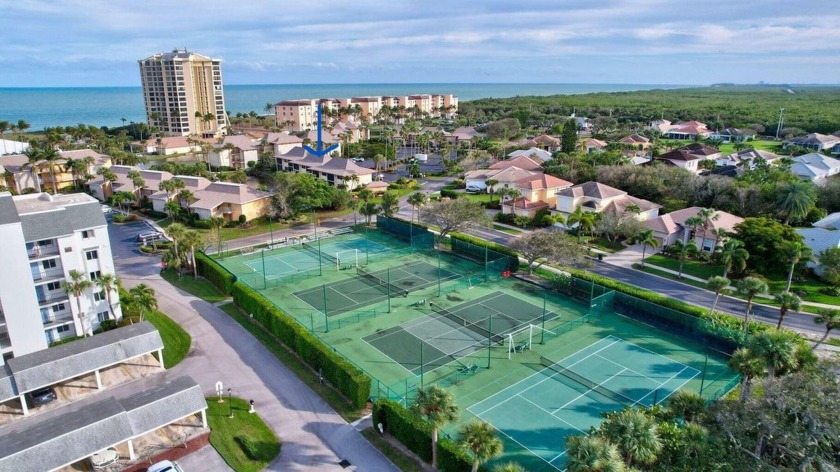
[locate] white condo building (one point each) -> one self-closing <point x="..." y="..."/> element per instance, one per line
<point x="183" y="93"/>
<point x="45" y="237"/>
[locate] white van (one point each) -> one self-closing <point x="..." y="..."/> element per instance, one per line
<point x="421" y="157"/>
<point x="150" y="236"/>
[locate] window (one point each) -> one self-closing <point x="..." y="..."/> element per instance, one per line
<point x="48" y="264"/>
<point x="62" y="329"/>
<point x="95" y="275"/>
<point x="91" y="255"/>
<point x="53" y="286"/>
<point x="88" y="233"/>
<point x="102" y="316"/>
<point x="58" y="307"/>
<point x="99" y="296"/>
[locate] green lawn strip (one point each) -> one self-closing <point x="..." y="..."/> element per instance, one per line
<point x="198" y="287"/>
<point x="811" y="288"/>
<point x="262" y="227"/>
<point x="176" y="341"/>
<point x="655" y="271"/>
<point x="833" y="341"/>
<point x="303" y="372"/>
<point x="603" y="244"/>
<point x="245" y="442"/>
<point x="507" y="230"/>
<point x="690" y="267"/>
<point x="394" y="454"/>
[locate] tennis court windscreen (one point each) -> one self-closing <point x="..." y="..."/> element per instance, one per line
<point x="382" y="284"/>
<point x="574" y="376"/>
<point x="315" y="250"/>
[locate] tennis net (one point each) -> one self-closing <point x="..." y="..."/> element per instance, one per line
<point x="589" y="384"/>
<point x="470" y="325"/>
<point x="317" y="252"/>
<point x="382" y="284"/>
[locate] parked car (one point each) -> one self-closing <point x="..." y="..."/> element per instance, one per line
<point x="42" y="396"/>
<point x="106" y="209"/>
<point x="421" y="157"/>
<point x="104" y="458"/>
<point x="150" y="236"/>
<point x="165" y="466"/>
<point x="473" y="189"/>
<point x="358" y="159"/>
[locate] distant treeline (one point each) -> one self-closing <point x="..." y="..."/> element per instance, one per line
<point x="811" y="108"/>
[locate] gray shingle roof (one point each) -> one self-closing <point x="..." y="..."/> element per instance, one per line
<point x="50" y="366"/>
<point x="78" y="430"/>
<point x="62" y="221"/>
<point x="8" y="389"/>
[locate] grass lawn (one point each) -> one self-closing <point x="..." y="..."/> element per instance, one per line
<point x="176" y="341"/>
<point x="653" y="270"/>
<point x="811" y="288"/>
<point x="507" y="230"/>
<point x="479" y="197"/>
<point x="198" y="287"/>
<point x="695" y="268"/>
<point x="303" y="372"/>
<point x="605" y="245"/>
<point x="402" y="461"/>
<point x="244" y="441"/>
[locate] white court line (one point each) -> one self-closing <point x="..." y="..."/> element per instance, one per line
<point x="550" y="377"/>
<point x="550" y="413"/>
<point x="592" y="390"/>
<point x="680" y="386"/>
<point x="679" y="364"/>
<point x="520" y="444"/>
<point x="389" y="357"/>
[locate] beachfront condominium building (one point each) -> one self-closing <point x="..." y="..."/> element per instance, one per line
<point x="183" y="93"/>
<point x="44" y="238"/>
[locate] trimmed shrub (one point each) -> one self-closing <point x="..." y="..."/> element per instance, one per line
<point x="416" y="435"/>
<point x="347" y="378"/>
<point x="215" y="273"/>
<point x="448" y="193"/>
<point x="107" y="325"/>
<point x="242" y="219"/>
<point x="250" y="449"/>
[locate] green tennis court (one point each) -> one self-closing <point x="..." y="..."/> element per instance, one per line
<point x="450" y="335"/>
<point x="373" y="287"/>
<point x="568" y="397"/>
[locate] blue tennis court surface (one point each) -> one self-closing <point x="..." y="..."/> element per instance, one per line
<point x="568" y="397"/>
<point x="304" y="259"/>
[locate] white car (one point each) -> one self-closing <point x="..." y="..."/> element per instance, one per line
<point x="358" y="159"/>
<point x="106" y="209"/>
<point x="473" y="189"/>
<point x="165" y="466"/>
<point x="104" y="458"/>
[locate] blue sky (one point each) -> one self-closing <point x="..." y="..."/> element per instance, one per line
<point x="98" y="42"/>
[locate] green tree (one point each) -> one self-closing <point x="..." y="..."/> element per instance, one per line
<point x="795" y="199"/>
<point x="438" y="408"/>
<point x="750" y="287"/>
<point x="417" y="200"/>
<point x="192" y="241"/>
<point x="547" y="246"/>
<point x="646" y="238"/>
<point x="77" y="285"/>
<point x="795" y="252"/>
<point x="143" y="297"/>
<point x="787" y="301"/>
<point x="478" y="439"/>
<point x="454" y="215"/>
<point x="592" y="453"/>
<point x="765" y="239"/>
<point x="109" y="283"/>
<point x="216" y="224"/>
<point x="353" y="205"/>
<point x="568" y="143"/>
<point x="831" y="319"/>
<point x="778" y="351"/>
<point x="390" y="204"/>
<point x="716" y="284"/>
<point x="683" y="250"/>
<point x="708" y="216"/>
<point x="635" y="434"/>
<point x="733" y="254"/>
<point x="749" y="365"/>
<point x="687" y="405"/>
<point x="829" y="260"/>
<point x="175" y="231"/>
<point x="369" y="210"/>
<point x="508" y="467"/>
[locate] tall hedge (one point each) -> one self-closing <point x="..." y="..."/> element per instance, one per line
<point x="215" y="273"/>
<point x="416" y="435"/>
<point x="347" y="378"/>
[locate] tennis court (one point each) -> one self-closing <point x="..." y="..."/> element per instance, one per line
<point x="568" y="397"/>
<point x="449" y="335"/>
<point x="369" y="288"/>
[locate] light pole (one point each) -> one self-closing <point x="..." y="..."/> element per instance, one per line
<point x="230" y="405"/>
<point x="270" y="228"/>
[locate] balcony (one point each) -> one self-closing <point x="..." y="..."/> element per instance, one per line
<point x="42" y="275"/>
<point x="56" y="319"/>
<point x="37" y="252"/>
<point x="52" y="297"/>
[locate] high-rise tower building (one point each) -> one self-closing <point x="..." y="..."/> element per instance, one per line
<point x="183" y="93"/>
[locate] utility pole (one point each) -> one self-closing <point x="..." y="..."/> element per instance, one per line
<point x="781" y="120"/>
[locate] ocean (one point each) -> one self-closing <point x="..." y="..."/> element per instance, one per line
<point x="107" y="106"/>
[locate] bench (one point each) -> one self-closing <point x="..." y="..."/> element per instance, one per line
<point x="468" y="369"/>
<point x="521" y="347"/>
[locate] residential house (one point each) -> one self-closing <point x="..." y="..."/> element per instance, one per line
<point x="339" y="171"/>
<point x="12" y="147"/>
<point x="230" y="201"/>
<point x="538" y="191"/>
<point x="660" y="125"/>
<point x="167" y="146"/>
<point x="734" y="135"/>
<point x="521" y="206"/>
<point x="636" y="142"/>
<point x="593" y="145"/>
<point x="600" y="198"/>
<point x="819" y="239"/>
<point x="21" y="174"/>
<point x="688" y="157"/>
<point x="815" y="167"/>
<point x="234" y="151"/>
<point x="583" y="123"/>
<point x="686" y="130"/>
<point x="281" y="143"/>
<point x="463" y="134"/>
<point x="523" y="162"/>
<point x="746" y="158"/>
<point x="831" y="221"/>
<point x="378" y="187"/>
<point x="671" y="227"/>
<point x="103" y="189"/>
<point x="536" y="152"/>
<point x="506" y="176"/>
<point x="815" y="141"/>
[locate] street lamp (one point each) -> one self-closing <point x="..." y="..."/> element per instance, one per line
<point x="230" y="405"/>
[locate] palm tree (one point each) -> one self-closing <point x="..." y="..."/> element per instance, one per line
<point x="390" y="204"/>
<point x="353" y="204"/>
<point x="750" y="286"/>
<point x="377" y="160"/>
<point x="587" y="222"/>
<point x="109" y="283"/>
<point x="508" y="467"/>
<point x="684" y="250"/>
<point x="746" y="363"/>
<point x="437" y="406"/>
<point x="34" y="159"/>
<point x="733" y="254"/>
<point x="787" y="301"/>
<point x="192" y="240"/>
<point x="795" y="199"/>
<point x="513" y="194"/>
<point x="694" y="222"/>
<point x="369" y="210"/>
<point x="635" y="434"/>
<point x="416" y="200"/>
<point x="478" y="439"/>
<point x="144" y="297"/>
<point x="717" y="284"/>
<point x="831" y="320"/>
<point x="796" y="252"/>
<point x="646" y="238"/>
<point x="216" y="223"/>
<point x="77" y="285"/>
<point x="708" y="215"/>
<point x="592" y="453"/>
<point x="491" y="184"/>
<point x="778" y="350"/>
<point x="687" y="405"/>
<point x="50" y="156"/>
<point x="175" y="231"/>
<point x="21" y="127"/>
<point x="171" y="260"/>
